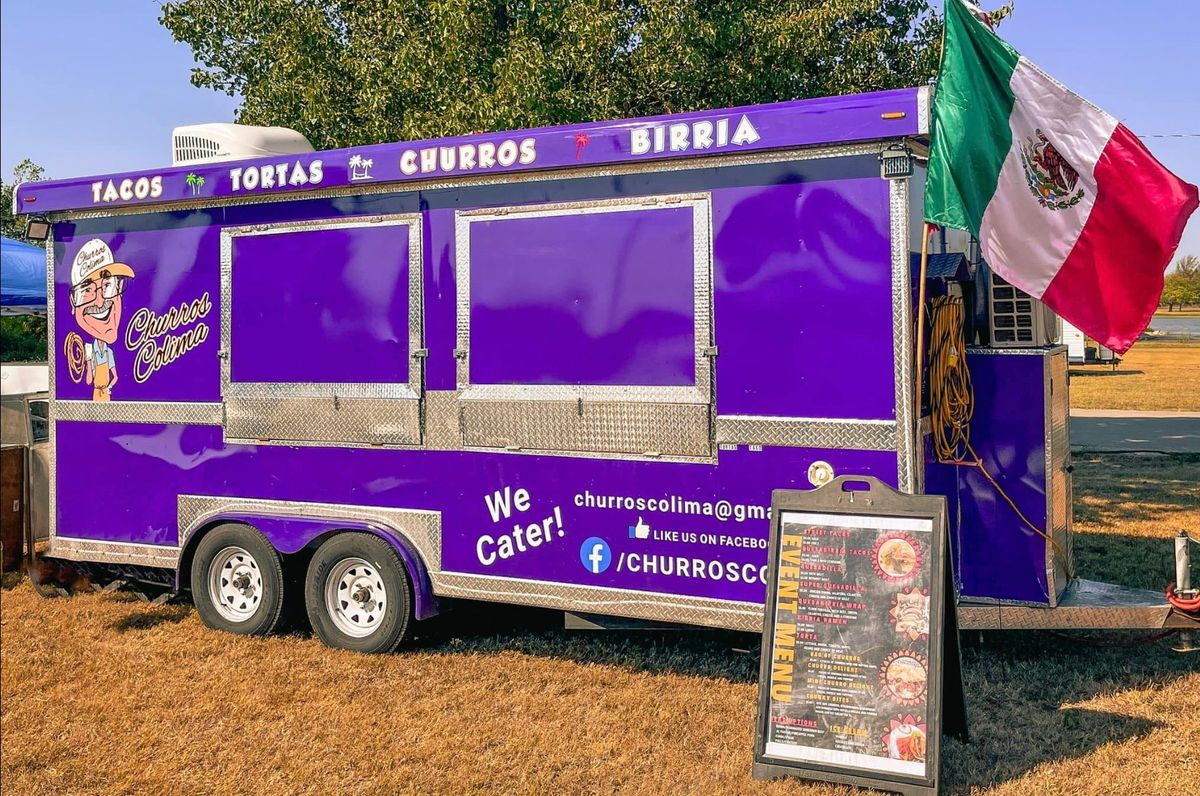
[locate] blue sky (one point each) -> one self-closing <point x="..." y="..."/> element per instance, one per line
<point x="93" y="87"/>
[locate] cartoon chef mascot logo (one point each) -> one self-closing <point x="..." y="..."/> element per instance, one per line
<point x="97" y="282"/>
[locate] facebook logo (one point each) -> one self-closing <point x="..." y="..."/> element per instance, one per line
<point x="595" y="555"/>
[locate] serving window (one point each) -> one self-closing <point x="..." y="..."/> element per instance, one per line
<point x="586" y="326"/>
<point x="321" y="325"/>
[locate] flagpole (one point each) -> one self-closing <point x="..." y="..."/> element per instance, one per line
<point x="921" y="318"/>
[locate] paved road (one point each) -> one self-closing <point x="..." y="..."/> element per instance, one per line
<point x="1117" y="430"/>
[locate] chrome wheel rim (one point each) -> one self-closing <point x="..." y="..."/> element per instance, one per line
<point x="355" y="598"/>
<point x="235" y="584"/>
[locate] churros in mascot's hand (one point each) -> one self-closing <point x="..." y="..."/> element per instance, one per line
<point x="73" y="351"/>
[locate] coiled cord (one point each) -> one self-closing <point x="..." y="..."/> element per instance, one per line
<point x="952" y="403"/>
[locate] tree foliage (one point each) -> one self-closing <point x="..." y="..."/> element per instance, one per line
<point x="1182" y="286"/>
<point x="350" y="72"/>
<point x="12" y="226"/>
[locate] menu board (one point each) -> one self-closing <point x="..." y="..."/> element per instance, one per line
<point x="852" y="644"/>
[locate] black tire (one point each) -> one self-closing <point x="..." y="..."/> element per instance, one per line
<point x="380" y="567"/>
<point x="261" y="571"/>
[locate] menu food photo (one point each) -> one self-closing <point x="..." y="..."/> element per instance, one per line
<point x="849" y="654"/>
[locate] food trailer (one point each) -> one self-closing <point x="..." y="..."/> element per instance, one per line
<point x="561" y="367"/>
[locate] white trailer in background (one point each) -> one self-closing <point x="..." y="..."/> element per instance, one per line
<point x="1080" y="353"/>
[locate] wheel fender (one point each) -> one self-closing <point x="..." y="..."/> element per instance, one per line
<point x="291" y="534"/>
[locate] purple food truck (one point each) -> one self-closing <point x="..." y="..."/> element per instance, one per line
<point x="561" y="367"/>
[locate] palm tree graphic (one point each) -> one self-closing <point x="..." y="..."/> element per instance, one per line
<point x="195" y="181"/>
<point x="360" y="167"/>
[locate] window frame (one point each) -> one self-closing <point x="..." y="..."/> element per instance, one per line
<point x="297" y="412"/>
<point x="614" y="421"/>
<point x="699" y="392"/>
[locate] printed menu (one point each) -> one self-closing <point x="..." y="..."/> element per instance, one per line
<point x="850" y="651"/>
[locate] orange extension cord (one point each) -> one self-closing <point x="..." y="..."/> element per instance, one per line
<point x="952" y="402"/>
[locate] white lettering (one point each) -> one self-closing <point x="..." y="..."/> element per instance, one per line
<point x="408" y="162"/>
<point x="466" y="157"/>
<point x="639" y="141"/>
<point x="487" y="155"/>
<point x="745" y="132"/>
<point x="528" y="151"/>
<point x="299" y="175"/>
<point x="428" y="160"/>
<point x="679" y="137"/>
<point x="506" y="153"/>
<point x="489" y="558"/>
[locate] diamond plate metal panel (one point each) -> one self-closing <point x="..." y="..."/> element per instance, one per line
<point x="334" y="420"/>
<point x="1060" y="566"/>
<point x="702" y="388"/>
<point x="422" y="529"/>
<point x="52" y="406"/>
<point x="355" y="413"/>
<point x="789" y="432"/>
<point x="1085" y="605"/>
<point x="443" y="430"/>
<point x="589" y="599"/>
<point x="196" y="414"/>
<point x="908" y="444"/>
<point x="600" y="427"/>
<point x="145" y="555"/>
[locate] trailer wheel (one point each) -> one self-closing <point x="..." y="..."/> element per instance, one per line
<point x="237" y="581"/>
<point x="357" y="594"/>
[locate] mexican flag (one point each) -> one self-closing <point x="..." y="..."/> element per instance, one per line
<point x="1066" y="203"/>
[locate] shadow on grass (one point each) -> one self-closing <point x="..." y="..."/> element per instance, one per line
<point x="1107" y="371"/>
<point x="1017" y="684"/>
<point x="1117" y="489"/>
<point x="155" y="616"/>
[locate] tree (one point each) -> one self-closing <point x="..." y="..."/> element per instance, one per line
<point x="350" y="72"/>
<point x="1189" y="266"/>
<point x="1182" y="286"/>
<point x="11" y="226"/>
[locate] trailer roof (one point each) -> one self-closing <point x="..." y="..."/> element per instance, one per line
<point x="784" y="125"/>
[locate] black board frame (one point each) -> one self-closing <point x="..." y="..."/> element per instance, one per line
<point x="946" y="708"/>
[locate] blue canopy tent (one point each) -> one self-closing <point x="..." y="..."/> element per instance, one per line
<point x="22" y="278"/>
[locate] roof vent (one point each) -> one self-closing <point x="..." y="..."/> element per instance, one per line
<point x="208" y="143"/>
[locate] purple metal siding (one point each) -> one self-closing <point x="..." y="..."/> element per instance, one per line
<point x="326" y="305"/>
<point x="999" y="556"/>
<point x="119" y="482"/>
<point x="803" y="298"/>
<point x="798" y="249"/>
<point x="440" y="300"/>
<point x="172" y="266"/>
<point x="594" y="298"/>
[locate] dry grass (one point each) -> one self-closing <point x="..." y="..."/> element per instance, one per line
<point x="102" y="694"/>
<point x="1152" y="376"/>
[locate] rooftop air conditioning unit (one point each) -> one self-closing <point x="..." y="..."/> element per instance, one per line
<point x="209" y="143"/>
<point x="1018" y="319"/>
